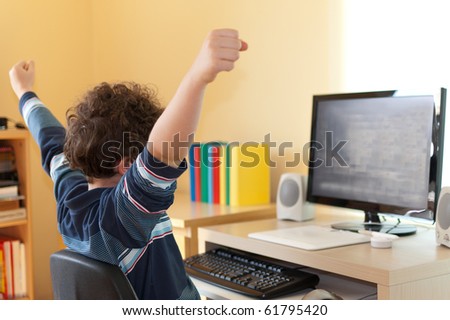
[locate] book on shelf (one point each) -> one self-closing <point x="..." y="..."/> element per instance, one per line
<point x="230" y="174"/>
<point x="13" y="214"/>
<point x="22" y="272"/>
<point x="9" y="191"/>
<point x="6" y="288"/>
<point x="9" y="184"/>
<point x="9" y="176"/>
<point x="12" y="268"/>
<point x="9" y="203"/>
<point x="7" y="159"/>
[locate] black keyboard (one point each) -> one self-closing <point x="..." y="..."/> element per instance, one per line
<point x="247" y="275"/>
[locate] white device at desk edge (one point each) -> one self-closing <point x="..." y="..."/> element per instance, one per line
<point x="311" y="237"/>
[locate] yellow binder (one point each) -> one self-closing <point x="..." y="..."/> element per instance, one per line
<point x="249" y="170"/>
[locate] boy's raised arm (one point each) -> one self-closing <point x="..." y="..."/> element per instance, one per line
<point x="174" y="130"/>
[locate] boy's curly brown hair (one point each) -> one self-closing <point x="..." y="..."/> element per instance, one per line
<point x="111" y="122"/>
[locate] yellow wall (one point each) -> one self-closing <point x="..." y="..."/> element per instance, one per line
<point x="57" y="35"/>
<point x="294" y="52"/>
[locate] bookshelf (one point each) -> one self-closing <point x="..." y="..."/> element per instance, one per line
<point x="21" y="228"/>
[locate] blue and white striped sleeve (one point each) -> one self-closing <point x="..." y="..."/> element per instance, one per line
<point x="46" y="130"/>
<point x="144" y="194"/>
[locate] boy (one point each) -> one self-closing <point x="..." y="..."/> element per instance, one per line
<point x="112" y="199"/>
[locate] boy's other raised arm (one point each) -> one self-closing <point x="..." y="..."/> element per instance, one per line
<point x="37" y="117"/>
<point x="22" y="77"/>
<point x="174" y="130"/>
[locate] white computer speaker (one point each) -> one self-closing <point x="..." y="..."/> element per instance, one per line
<point x="443" y="217"/>
<point x="291" y="198"/>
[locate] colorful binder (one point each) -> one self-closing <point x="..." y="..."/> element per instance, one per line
<point x="194" y="172"/>
<point x="249" y="175"/>
<point x="229" y="174"/>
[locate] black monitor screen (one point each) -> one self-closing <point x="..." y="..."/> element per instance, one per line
<point x="372" y="153"/>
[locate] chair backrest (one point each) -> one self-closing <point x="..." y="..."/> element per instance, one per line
<point x="77" y="277"/>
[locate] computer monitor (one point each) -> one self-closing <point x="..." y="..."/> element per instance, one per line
<point x="377" y="152"/>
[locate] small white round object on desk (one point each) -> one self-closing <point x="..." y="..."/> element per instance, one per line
<point x="380" y="242"/>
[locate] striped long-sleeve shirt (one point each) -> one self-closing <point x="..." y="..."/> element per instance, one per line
<point x="126" y="225"/>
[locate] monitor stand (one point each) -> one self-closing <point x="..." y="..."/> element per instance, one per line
<point x="372" y="222"/>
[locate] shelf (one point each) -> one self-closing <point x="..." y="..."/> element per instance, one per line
<point x="13" y="134"/>
<point x="20" y="228"/>
<point x="13" y="223"/>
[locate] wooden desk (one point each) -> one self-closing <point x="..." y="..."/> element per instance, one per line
<point x="414" y="268"/>
<point x="188" y="216"/>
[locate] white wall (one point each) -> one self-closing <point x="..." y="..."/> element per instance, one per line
<point x="397" y="44"/>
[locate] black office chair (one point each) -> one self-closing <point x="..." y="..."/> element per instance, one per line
<point x="76" y="277"/>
